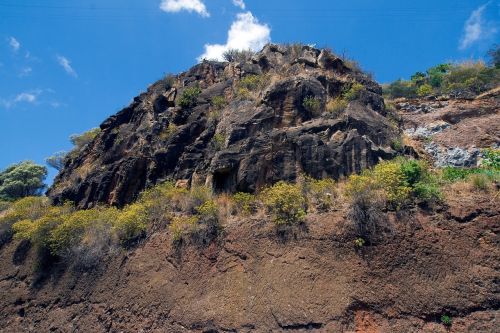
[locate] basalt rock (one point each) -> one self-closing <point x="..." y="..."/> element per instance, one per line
<point x="261" y="134"/>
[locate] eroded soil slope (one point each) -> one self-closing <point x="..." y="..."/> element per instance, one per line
<point x="310" y="278"/>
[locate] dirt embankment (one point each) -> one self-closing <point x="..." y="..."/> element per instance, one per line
<point x="311" y="279"/>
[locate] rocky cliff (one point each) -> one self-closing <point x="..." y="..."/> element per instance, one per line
<point x="235" y="126"/>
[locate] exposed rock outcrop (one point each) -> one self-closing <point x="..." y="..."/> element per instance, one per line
<point x="256" y="137"/>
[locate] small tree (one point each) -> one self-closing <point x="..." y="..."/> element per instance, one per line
<point x="22" y="180"/>
<point x="57" y="160"/>
<point x="81" y="140"/>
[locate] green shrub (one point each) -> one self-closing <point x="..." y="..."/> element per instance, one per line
<point x="473" y="77"/>
<point x="245" y="202"/>
<point x="253" y="82"/>
<point x="413" y="170"/>
<point x="446" y="320"/>
<point x="312" y="104"/>
<point x="285" y="202"/>
<point x="389" y="176"/>
<point x="425" y="90"/>
<point x="453" y="174"/>
<point x="321" y="193"/>
<point x="401" y="88"/>
<point x="218" y="102"/>
<point x="189" y="96"/>
<point x="218" y="141"/>
<point x="353" y="92"/>
<point x="427" y="192"/>
<point x="208" y="211"/>
<point x="131" y="223"/>
<point x="182" y="225"/>
<point x="359" y="242"/>
<point x="491" y="158"/>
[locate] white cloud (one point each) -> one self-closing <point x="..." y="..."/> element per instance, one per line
<point x="25" y="71"/>
<point x="245" y="33"/>
<point x="175" y="6"/>
<point x="239" y="3"/>
<point x="14" y="44"/>
<point x="476" y="28"/>
<point x="24" y="97"/>
<point x="66" y="64"/>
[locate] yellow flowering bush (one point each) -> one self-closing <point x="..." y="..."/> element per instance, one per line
<point x="285" y="202"/>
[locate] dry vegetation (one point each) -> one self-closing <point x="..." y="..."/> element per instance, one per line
<point x="197" y="216"/>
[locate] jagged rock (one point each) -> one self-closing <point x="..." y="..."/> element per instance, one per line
<point x="455" y="157"/>
<point x="254" y="140"/>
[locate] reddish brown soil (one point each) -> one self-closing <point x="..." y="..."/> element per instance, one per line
<point x="473" y="123"/>
<point x="432" y="263"/>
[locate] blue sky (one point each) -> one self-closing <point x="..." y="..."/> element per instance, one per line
<point x="67" y="65"/>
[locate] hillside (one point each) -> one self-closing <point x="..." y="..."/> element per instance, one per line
<point x="276" y="192"/>
<point x="235" y="126"/>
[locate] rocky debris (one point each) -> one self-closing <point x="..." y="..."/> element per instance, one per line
<point x="421" y="106"/>
<point x="261" y="133"/>
<point x="455" y="131"/>
<point x="427" y="131"/>
<point x="455" y="157"/>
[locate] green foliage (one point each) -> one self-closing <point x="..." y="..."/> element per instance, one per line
<point x="353" y="92"/>
<point x="400" y="88"/>
<point x="359" y="242"/>
<point x="57" y="160"/>
<point x="182" y="225"/>
<point x="168" y="132"/>
<point x="436" y="74"/>
<point x="418" y="78"/>
<point x="218" y="141"/>
<point x="427" y="191"/>
<point x="474" y="77"/>
<point x="413" y="170"/>
<point x="425" y="90"/>
<point x="218" y="102"/>
<point x="491" y="158"/>
<point x="446" y="320"/>
<point x="285" y="202"/>
<point x="320" y="193"/>
<point x="253" y="82"/>
<point x="130" y="225"/>
<point x="312" y="104"/>
<point x="22" y="180"/>
<point x="189" y="96"/>
<point x="24" y="209"/>
<point x="81" y="140"/>
<point x="455" y="79"/>
<point x="389" y="176"/>
<point x="208" y="209"/>
<point x="245" y="202"/>
<point x="453" y="174"/>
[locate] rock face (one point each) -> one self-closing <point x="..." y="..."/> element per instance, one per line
<point x="259" y="132"/>
<point x="452" y="132"/>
